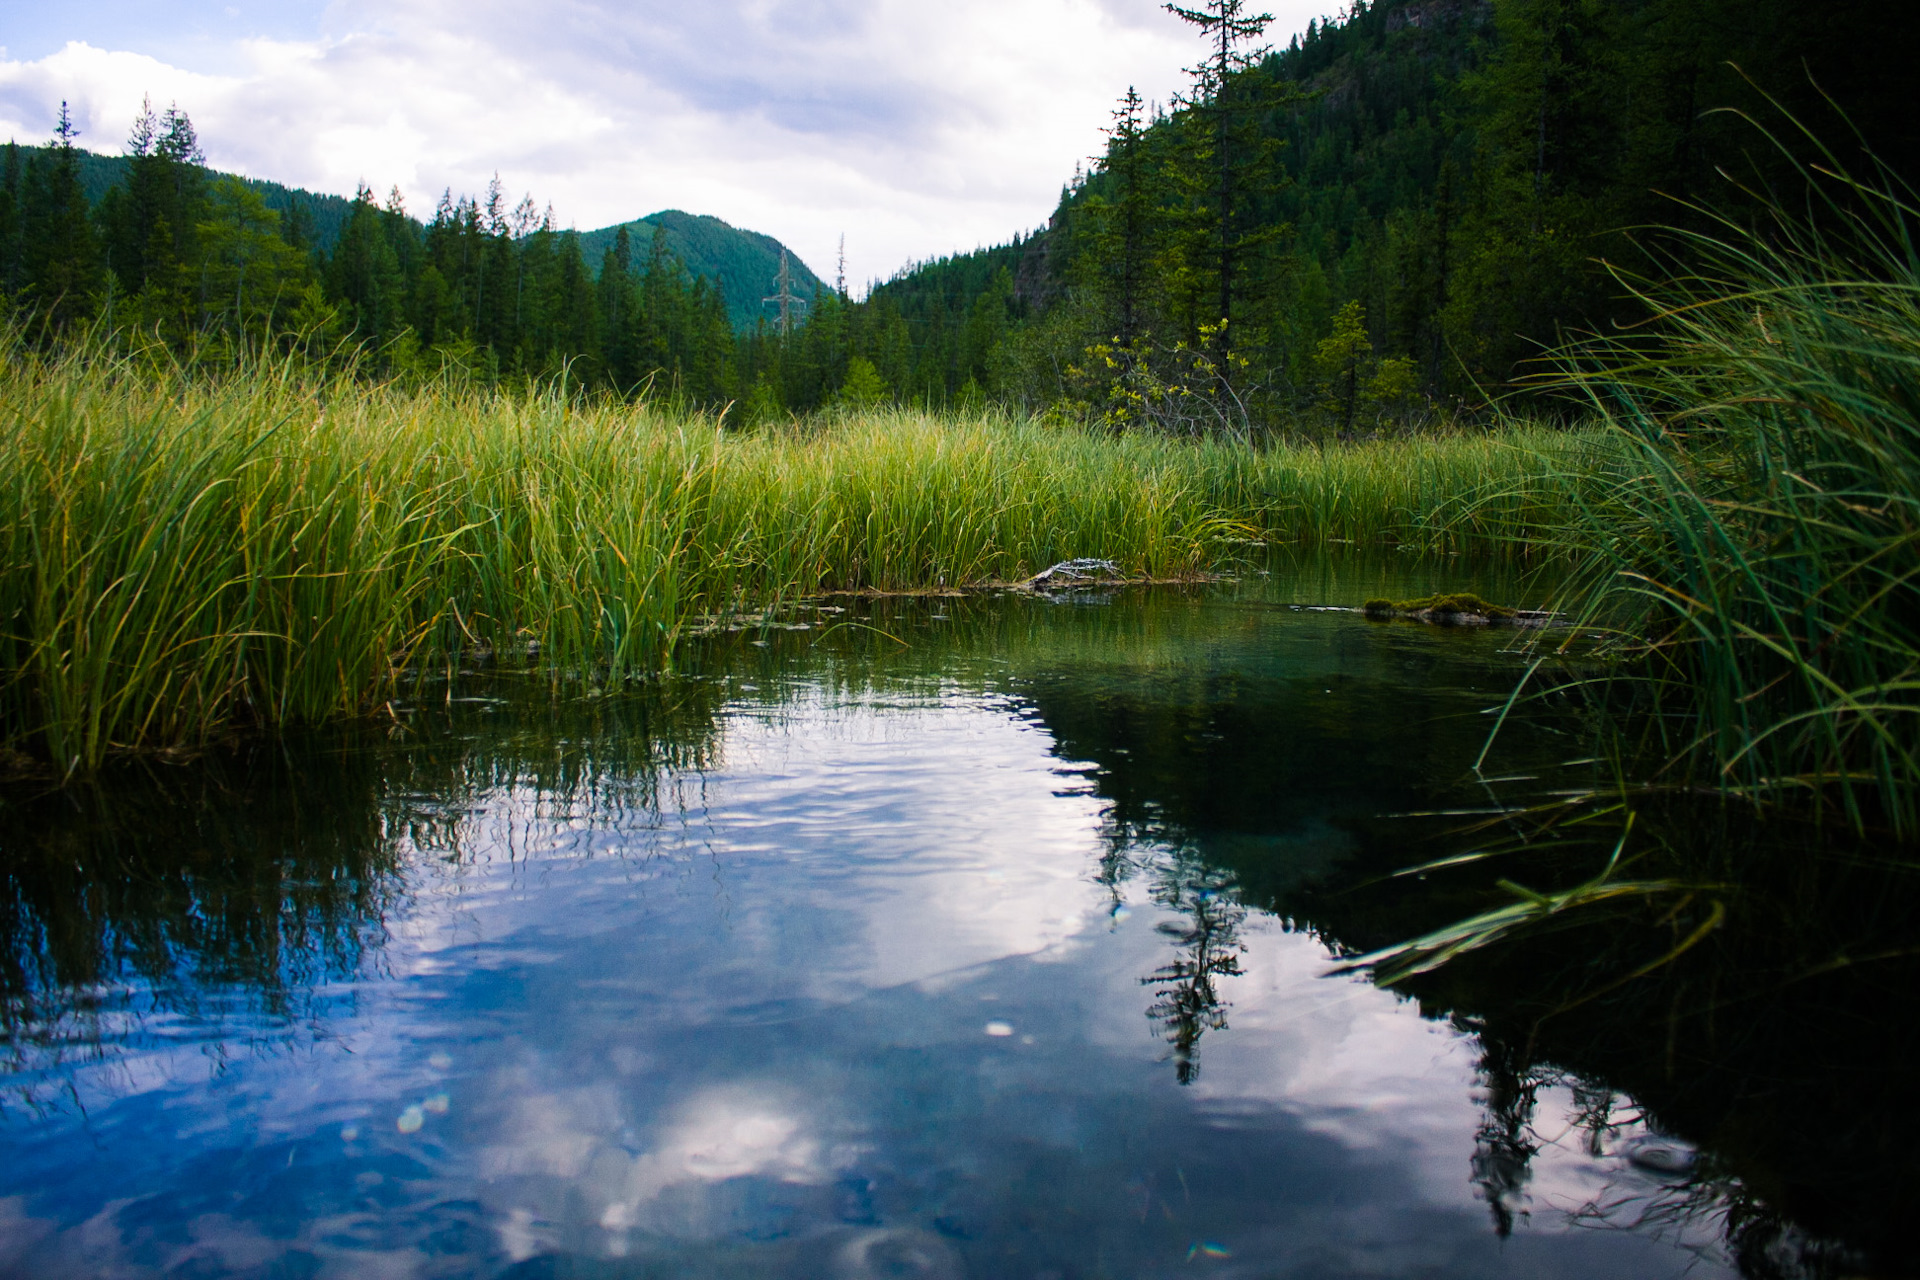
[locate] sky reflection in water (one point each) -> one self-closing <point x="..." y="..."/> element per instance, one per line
<point x="869" y="981"/>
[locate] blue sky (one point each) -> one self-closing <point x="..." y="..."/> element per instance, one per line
<point x="914" y="128"/>
<point x="197" y="34"/>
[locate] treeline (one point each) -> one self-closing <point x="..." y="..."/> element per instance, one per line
<point x="1394" y="214"/>
<point x="1383" y="222"/>
<point x="200" y="261"/>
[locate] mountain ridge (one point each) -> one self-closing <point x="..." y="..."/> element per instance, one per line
<point x="744" y="263"/>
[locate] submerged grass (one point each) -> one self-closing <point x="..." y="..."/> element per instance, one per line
<point x="181" y="556"/>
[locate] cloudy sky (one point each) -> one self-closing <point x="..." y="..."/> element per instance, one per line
<point x="914" y="127"/>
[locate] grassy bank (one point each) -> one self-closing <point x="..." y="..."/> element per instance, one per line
<point x="182" y="556"/>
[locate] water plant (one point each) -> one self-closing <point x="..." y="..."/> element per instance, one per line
<point x="185" y="553"/>
<point x="1757" y="555"/>
<point x="1751" y="555"/>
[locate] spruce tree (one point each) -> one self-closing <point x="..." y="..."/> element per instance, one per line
<point x="618" y="303"/>
<point x="570" y="305"/>
<point x="1122" y="242"/>
<point x="1226" y="146"/>
<point x="59" y="251"/>
<point x="151" y="224"/>
<point x="11" y="221"/>
<point x="250" y="272"/>
<point x="364" y="276"/>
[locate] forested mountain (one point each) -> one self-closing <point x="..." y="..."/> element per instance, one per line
<point x="743" y="263"/>
<point x="1387" y="218"/>
<point x="1405" y="204"/>
<point x="154" y="243"/>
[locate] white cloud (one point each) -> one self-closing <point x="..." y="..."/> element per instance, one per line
<point x="916" y="129"/>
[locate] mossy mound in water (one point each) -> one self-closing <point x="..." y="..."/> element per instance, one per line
<point x="1447" y="607"/>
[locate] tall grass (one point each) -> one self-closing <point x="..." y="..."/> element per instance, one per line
<point x="1760" y="549"/>
<point x="1752" y="545"/>
<point x="181" y="555"/>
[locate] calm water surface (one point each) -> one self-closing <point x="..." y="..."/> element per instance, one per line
<point x="919" y="942"/>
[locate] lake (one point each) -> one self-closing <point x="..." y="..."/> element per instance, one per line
<point x="983" y="936"/>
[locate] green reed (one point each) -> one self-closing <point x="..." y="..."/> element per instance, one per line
<point x="1750" y="549"/>
<point x="1756" y="538"/>
<point x="184" y="554"/>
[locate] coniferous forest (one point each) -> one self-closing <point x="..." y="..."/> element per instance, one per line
<point x="1382" y="223"/>
<point x="1398" y="212"/>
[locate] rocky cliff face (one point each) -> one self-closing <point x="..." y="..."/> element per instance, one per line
<point x="1035" y="282"/>
<point x="1428" y="13"/>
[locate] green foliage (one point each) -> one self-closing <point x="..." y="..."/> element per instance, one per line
<point x="1344" y="361"/>
<point x="215" y="267"/>
<point x="863" y="389"/>
<point x="1430" y="187"/>
<point x="1395" y="380"/>
<point x="59" y="258"/>
<point x="1118" y="262"/>
<point x="249" y="271"/>
<point x="1187" y="390"/>
<point x="1351" y="374"/>
<point x="762" y="404"/>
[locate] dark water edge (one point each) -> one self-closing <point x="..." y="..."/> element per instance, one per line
<point x="707" y="976"/>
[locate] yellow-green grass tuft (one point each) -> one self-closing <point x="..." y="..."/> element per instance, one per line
<point x="183" y="555"/>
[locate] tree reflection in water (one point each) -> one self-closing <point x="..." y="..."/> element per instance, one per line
<point x="239" y="900"/>
<point x="1783" y="1048"/>
<point x="1503" y="1148"/>
<point x="1186" y="999"/>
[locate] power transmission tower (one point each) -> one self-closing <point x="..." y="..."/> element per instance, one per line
<point x="840" y="283"/>
<point x="788" y="300"/>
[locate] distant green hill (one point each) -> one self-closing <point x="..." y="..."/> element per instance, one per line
<point x="744" y="262"/>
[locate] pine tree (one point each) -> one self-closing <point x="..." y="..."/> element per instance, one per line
<point x="618" y="302"/>
<point x="1342" y="361"/>
<point x="1228" y="158"/>
<point x="251" y="273"/>
<point x="364" y="276"/>
<point x="151" y="223"/>
<point x="571" y="305"/>
<point x="59" y="252"/>
<point x="494" y="292"/>
<point x="1122" y="237"/>
<point x="1550" y="102"/>
<point x="11" y="222"/>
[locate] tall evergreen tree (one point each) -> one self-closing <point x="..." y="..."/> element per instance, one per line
<point x="250" y="273"/>
<point x="1124" y="218"/>
<point x="59" y="251"/>
<point x="12" y="221"/>
<point x="151" y="222"/>
<point x="618" y="301"/>
<point x="364" y="275"/>
<point x="1222" y="110"/>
